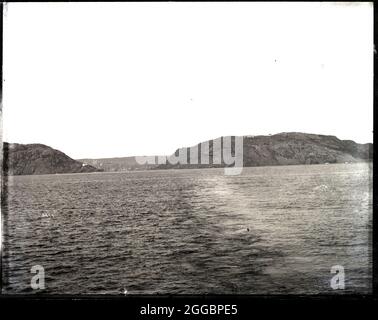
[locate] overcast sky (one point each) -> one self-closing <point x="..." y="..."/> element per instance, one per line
<point x="122" y="79"/>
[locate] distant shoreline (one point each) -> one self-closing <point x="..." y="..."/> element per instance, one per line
<point x="288" y="148"/>
<point x="369" y="162"/>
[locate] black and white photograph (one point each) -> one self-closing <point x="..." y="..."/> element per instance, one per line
<point x="187" y="148"/>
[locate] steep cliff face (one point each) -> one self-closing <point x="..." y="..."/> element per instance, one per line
<point x="27" y="159"/>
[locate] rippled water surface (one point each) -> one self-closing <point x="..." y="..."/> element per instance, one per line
<point x="269" y="230"/>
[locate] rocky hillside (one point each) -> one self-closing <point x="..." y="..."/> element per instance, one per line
<point x="26" y="159"/>
<point x="301" y="148"/>
<point x="292" y="148"/>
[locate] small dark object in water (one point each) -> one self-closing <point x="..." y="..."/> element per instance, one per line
<point x="247" y="229"/>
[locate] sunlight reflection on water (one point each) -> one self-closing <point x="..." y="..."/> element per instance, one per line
<point x="269" y="230"/>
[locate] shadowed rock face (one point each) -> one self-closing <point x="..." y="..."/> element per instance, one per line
<point x="27" y="159"/>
